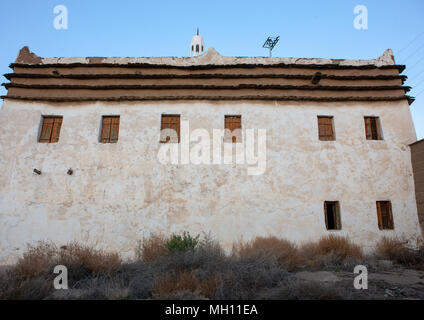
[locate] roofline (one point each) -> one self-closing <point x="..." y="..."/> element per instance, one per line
<point x="401" y="68"/>
<point x="416" y="142"/>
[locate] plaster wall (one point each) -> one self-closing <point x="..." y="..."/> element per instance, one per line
<point x="120" y="193"/>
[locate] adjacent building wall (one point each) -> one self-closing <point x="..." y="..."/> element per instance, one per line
<point x="120" y="193"/>
<point x="417" y="152"/>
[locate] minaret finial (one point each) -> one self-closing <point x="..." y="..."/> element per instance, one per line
<point x="197" y="46"/>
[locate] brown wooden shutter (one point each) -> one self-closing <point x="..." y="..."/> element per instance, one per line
<point x="114" y="129"/>
<point x="56" y="129"/>
<point x="170" y="122"/>
<point x="368" y="130"/>
<point x="379" y="216"/>
<point x="325" y="128"/>
<point x="50" y="129"/>
<point x="233" y="123"/>
<point x="106" y="123"/>
<point x="110" y="129"/>
<point x="46" y="129"/>
<point x="325" y="214"/>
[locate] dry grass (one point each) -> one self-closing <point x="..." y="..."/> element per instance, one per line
<point x="98" y="262"/>
<point x="185" y="281"/>
<point x="40" y="259"/>
<point x="152" y="248"/>
<point x="330" y="250"/>
<point x="286" y="252"/>
<point x="396" y="250"/>
<point x="37" y="260"/>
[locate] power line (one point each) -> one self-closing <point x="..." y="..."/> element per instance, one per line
<point x="414" y="78"/>
<point x="409" y="57"/>
<point x="416" y="63"/>
<point x="419" y="93"/>
<point x="407" y="46"/>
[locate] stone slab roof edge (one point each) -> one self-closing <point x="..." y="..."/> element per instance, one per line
<point x="211" y="57"/>
<point x="416" y="142"/>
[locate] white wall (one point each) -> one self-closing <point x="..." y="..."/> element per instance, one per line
<point x="120" y="192"/>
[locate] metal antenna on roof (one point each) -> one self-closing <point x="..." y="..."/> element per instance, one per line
<point x="270" y="44"/>
<point x="197" y="30"/>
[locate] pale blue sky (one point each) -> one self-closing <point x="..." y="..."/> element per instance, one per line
<point x="236" y="28"/>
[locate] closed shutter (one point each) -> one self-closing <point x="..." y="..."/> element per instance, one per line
<point x="106" y="121"/>
<point x="50" y="129"/>
<point x="56" y="129"/>
<point x="110" y="129"/>
<point x="372" y="128"/>
<point x="170" y="122"/>
<point x="325" y="128"/>
<point x="233" y="123"/>
<point x="114" y="129"/>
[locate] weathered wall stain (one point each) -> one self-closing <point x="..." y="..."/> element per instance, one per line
<point x="119" y="192"/>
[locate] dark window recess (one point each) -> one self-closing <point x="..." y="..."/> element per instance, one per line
<point x="384" y="215"/>
<point x="170" y="122"/>
<point x="110" y="129"/>
<point x="325" y="128"/>
<point x="332" y="215"/>
<point x="50" y="129"/>
<point x="233" y="129"/>
<point x="372" y="128"/>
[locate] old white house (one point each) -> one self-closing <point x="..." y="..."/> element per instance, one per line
<point x="80" y="145"/>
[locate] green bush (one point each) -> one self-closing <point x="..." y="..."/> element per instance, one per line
<point x="181" y="243"/>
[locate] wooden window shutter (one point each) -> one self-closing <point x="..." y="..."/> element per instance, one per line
<point x="233" y="123"/>
<point x="170" y="122"/>
<point x="325" y="128"/>
<point x="379" y="216"/>
<point x="325" y="214"/>
<point x="56" y="129"/>
<point x="372" y="128"/>
<point x="46" y="129"/>
<point x="114" y="129"/>
<point x="50" y="129"/>
<point x="110" y="129"/>
<point x="368" y="130"/>
<point x="385" y="215"/>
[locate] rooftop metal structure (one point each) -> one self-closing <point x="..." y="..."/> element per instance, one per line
<point x="270" y="44"/>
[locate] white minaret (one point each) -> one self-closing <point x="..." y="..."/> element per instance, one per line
<point x="197" y="47"/>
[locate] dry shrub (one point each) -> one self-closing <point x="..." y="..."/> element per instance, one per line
<point x="36" y="261"/>
<point x="330" y="250"/>
<point x="286" y="252"/>
<point x="97" y="262"/>
<point x="152" y="248"/>
<point x="396" y="250"/>
<point x="185" y="281"/>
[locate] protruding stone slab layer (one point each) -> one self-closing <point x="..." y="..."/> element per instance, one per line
<point x="206" y="77"/>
